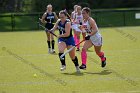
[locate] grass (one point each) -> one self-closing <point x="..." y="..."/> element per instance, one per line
<point x="23" y="54"/>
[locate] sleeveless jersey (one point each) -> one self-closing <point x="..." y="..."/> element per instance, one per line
<point x="50" y="17"/>
<point x="87" y="27"/>
<point x="61" y="28"/>
<point x="96" y="39"/>
<point x="79" y="19"/>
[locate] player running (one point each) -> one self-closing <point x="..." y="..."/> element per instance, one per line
<point x="74" y="12"/>
<point x="93" y="38"/>
<point x="78" y="21"/>
<point x="48" y="18"/>
<point x="74" y="26"/>
<point x="65" y="39"/>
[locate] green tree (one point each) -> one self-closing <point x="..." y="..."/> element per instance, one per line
<point x="40" y="6"/>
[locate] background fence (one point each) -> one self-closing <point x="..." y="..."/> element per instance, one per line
<point x="107" y="18"/>
<point x="104" y="18"/>
<point x="20" y="21"/>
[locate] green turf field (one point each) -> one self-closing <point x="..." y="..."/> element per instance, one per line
<point x="26" y="67"/>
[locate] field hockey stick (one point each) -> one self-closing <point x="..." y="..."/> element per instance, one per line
<point x="61" y="57"/>
<point x="47" y="30"/>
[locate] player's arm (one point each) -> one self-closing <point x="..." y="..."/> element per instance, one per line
<point x="72" y="15"/>
<point x="67" y="29"/>
<point x="93" y="26"/>
<point x="43" y="18"/>
<point x="74" y="19"/>
<point x="93" y="29"/>
<point x="56" y="18"/>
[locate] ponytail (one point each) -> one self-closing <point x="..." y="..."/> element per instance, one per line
<point x="65" y="13"/>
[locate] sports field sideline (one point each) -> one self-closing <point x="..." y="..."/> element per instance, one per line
<point x="26" y="67"/>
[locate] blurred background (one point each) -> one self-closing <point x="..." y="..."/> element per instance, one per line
<point x="23" y="14"/>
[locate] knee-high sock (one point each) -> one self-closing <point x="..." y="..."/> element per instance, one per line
<point x="62" y="60"/>
<point x="101" y="55"/>
<point x="49" y="44"/>
<point x="84" y="56"/>
<point x="53" y="42"/>
<point x="78" y="40"/>
<point x="75" y="61"/>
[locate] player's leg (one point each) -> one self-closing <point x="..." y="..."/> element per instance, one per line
<point x="53" y="43"/>
<point x="101" y="55"/>
<point x="83" y="35"/>
<point x="61" y="47"/>
<point x="74" y="26"/>
<point x="48" y="42"/>
<point x="97" y="46"/>
<point x="86" y="45"/>
<point x="70" y="43"/>
<point x="52" y="39"/>
<point x="74" y="58"/>
<point x="78" y="40"/>
<point x="75" y="36"/>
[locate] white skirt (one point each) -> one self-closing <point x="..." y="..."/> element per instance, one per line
<point x="76" y="27"/>
<point x="96" y="39"/>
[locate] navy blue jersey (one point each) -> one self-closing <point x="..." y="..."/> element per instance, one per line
<point x="61" y="28"/>
<point x="50" y="17"/>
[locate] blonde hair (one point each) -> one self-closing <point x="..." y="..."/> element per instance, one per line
<point x="75" y="6"/>
<point x="49" y="5"/>
<point x="79" y="7"/>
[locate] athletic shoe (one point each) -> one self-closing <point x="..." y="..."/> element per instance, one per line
<point x="103" y="63"/>
<point x="53" y="51"/>
<point x="83" y="66"/>
<point x="77" y="69"/>
<point x="49" y="50"/>
<point x="63" y="68"/>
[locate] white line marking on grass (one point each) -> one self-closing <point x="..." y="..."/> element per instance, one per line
<point x="26" y="55"/>
<point x="108" y="92"/>
<point x="120" y="92"/>
<point x="35" y="55"/>
<point x="134" y="91"/>
<point x="23" y="83"/>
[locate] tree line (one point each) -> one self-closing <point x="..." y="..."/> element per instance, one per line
<point x="40" y="5"/>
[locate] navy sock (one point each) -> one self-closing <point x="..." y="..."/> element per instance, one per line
<point x="62" y="60"/>
<point x="53" y="42"/>
<point x="75" y="61"/>
<point x="49" y="44"/>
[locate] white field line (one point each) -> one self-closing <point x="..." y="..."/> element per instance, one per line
<point x="49" y="83"/>
<point x="138" y="91"/>
<point x="26" y="55"/>
<point x="71" y="81"/>
<point x="23" y="83"/>
<point x="135" y="91"/>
